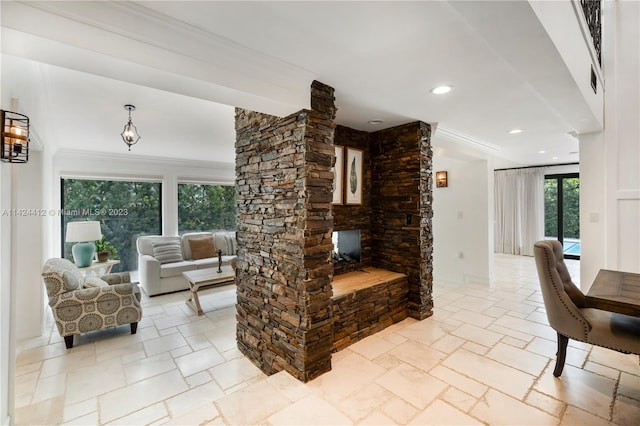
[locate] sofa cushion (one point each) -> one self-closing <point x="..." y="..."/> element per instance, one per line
<point x="186" y="248"/>
<point x="93" y="281"/>
<point x="145" y="243"/>
<point x="202" y="247"/>
<point x="176" y="268"/>
<point x="167" y="251"/>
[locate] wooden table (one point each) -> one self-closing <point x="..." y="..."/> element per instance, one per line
<point x="615" y="291"/>
<point x="203" y="278"/>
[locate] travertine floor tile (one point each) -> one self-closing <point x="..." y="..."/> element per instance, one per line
<point x="441" y="413"/>
<point x="193" y="399"/>
<point x="129" y="399"/>
<point x="231" y="373"/>
<point x="494" y="374"/>
<point x="399" y="410"/>
<point x="626" y="411"/>
<point x="518" y="358"/>
<point x="201" y="360"/>
<point x="89" y="382"/>
<point x="412" y="385"/>
<point x="146" y="415"/>
<point x="477" y="335"/>
<point x="242" y="408"/>
<point x="360" y="404"/>
<point x="49" y="411"/>
<point x="350" y="374"/>
<point x="418" y="355"/>
<point x="580" y="388"/>
<point x="148" y="367"/>
<point x="310" y="410"/>
<point x="499" y="409"/>
<point x="486" y="355"/>
<point x="371" y="347"/>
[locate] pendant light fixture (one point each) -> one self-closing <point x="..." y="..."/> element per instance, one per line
<point x="130" y="134"/>
<point x="15" y="137"/>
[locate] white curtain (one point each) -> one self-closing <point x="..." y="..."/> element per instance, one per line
<point x="519" y="210"/>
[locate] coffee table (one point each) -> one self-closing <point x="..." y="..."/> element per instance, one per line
<point x="204" y="278"/>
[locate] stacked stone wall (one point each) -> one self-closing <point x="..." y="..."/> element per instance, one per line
<point x="348" y="217"/>
<point x="286" y="317"/>
<point x="284" y="268"/>
<point x="401" y="209"/>
<point x="367" y="311"/>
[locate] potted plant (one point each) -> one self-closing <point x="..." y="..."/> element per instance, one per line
<point x="104" y="249"/>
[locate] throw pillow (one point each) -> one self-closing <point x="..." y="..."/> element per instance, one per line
<point x="72" y="280"/>
<point x="93" y="281"/>
<point x="230" y="241"/>
<point x="202" y="248"/>
<point x="167" y="251"/>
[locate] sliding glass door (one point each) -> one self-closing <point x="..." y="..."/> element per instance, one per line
<point x="562" y="211"/>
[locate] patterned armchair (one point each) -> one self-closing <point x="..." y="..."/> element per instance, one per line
<point x="82" y="304"/>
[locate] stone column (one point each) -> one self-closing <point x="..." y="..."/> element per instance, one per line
<point x="402" y="209"/>
<point x="284" y="269"/>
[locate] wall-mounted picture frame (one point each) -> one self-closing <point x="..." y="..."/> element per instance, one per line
<point x="338" y="176"/>
<point x="353" y="176"/>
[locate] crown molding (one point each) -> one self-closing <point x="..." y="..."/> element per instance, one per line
<point x="126" y="31"/>
<point x="453" y="135"/>
<point x="80" y="155"/>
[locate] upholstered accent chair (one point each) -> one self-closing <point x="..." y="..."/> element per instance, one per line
<point x="80" y="304"/>
<point x="568" y="312"/>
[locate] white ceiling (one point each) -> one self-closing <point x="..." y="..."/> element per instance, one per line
<point x="185" y="65"/>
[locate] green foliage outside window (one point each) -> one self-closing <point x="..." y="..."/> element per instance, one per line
<point x="551" y="208"/>
<point x="125" y="210"/>
<point x="571" y="207"/>
<point x="204" y="207"/>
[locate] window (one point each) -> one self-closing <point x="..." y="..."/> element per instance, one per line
<point x="125" y="211"/>
<point x="562" y="212"/>
<point x="204" y="207"/>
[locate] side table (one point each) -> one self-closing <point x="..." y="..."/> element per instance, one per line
<point x="102" y="267"/>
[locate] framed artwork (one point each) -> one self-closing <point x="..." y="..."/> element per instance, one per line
<point x="338" y="175"/>
<point x="353" y="176"/>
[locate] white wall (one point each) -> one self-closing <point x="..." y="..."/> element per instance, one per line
<point x="610" y="177"/>
<point x="593" y="212"/>
<point x="7" y="341"/>
<point x="564" y="23"/>
<point x="27" y="246"/>
<point x="463" y="222"/>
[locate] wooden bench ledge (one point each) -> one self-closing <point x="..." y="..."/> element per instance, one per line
<point x="366" y="277"/>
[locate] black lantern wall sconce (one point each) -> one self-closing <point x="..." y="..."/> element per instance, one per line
<point x="15" y="137"/>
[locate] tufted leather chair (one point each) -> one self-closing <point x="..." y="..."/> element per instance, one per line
<point x="569" y="315"/>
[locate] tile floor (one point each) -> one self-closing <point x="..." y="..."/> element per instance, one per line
<point x="485" y="357"/>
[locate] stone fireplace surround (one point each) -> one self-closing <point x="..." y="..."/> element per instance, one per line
<point x="285" y="221"/>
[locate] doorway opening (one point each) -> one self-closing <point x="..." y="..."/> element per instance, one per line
<point x="562" y="211"/>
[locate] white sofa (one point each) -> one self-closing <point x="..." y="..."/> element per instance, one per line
<point x="158" y="278"/>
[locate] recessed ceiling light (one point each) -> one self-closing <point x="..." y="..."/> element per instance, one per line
<point x="515" y="131"/>
<point x="441" y="90"/>
<point x="573" y="152"/>
<point x="541" y="152"/>
<point x="375" y="122"/>
<point x="554" y="158"/>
